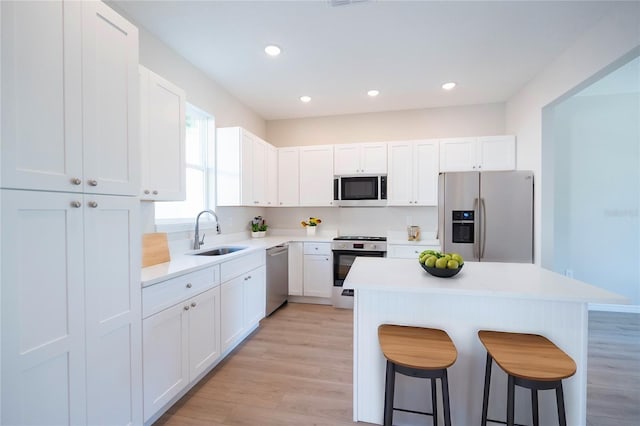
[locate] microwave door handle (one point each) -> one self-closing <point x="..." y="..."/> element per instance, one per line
<point x="476" y="243"/>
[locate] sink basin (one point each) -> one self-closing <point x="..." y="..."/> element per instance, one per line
<point x="219" y="251"/>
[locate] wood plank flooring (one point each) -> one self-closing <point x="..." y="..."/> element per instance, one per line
<point x="297" y="370"/>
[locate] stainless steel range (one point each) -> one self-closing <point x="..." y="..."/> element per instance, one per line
<point x="345" y="250"/>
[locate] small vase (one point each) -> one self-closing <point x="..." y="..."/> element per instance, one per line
<point x="311" y="231"/>
<point x="258" y="234"/>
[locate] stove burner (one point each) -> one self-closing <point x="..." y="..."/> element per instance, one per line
<point x="359" y="238"/>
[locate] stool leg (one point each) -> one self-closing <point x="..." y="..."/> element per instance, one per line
<point x="511" y="388"/>
<point x="388" y="394"/>
<point x="445" y="398"/>
<point x="534" y="406"/>
<point x="434" y="401"/>
<point x="487" y="383"/>
<point x="562" y="418"/>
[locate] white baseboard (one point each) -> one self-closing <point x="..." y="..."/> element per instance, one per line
<point x="631" y="309"/>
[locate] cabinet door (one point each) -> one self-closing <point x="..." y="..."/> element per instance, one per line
<point x="204" y="331"/>
<point x="258" y="172"/>
<point x="400" y="178"/>
<point x="373" y="158"/>
<point x="288" y="177"/>
<point x="166" y="363"/>
<point x="316" y="175"/>
<point x="113" y="310"/>
<point x="231" y="311"/>
<point x="425" y="175"/>
<point x="110" y="100"/>
<point x="317" y="275"/>
<point x="296" y="268"/>
<point x="43" y="355"/>
<point x="346" y="159"/>
<point x="41" y="95"/>
<point x="255" y="297"/>
<point x="162" y="123"/>
<point x="458" y="155"/>
<point x="497" y="153"/>
<point x="272" y="176"/>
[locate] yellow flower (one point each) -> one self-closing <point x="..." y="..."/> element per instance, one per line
<point x="313" y="221"/>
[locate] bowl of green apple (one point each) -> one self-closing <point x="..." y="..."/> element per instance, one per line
<point x="442" y="265"/>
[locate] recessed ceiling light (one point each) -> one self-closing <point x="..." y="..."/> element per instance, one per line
<point x="449" y="86"/>
<point x="305" y="99"/>
<point x="373" y="93"/>
<point x="272" y="50"/>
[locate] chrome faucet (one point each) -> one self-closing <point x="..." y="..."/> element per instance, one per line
<point x="196" y="238"/>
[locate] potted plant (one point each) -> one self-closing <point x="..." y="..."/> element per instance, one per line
<point x="258" y="227"/>
<point x="311" y="225"/>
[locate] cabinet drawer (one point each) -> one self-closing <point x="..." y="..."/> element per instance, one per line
<point x="167" y="293"/>
<point x="408" y="251"/>
<point x="317" y="248"/>
<point x="238" y="266"/>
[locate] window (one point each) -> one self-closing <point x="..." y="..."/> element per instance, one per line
<point x="200" y="171"/>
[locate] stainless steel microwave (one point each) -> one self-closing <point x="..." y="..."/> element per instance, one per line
<point x="360" y="191"/>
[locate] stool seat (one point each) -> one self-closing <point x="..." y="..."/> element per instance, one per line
<point x="527" y="356"/>
<point x="416" y="347"/>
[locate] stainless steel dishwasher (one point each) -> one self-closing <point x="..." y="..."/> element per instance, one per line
<point x="277" y="277"/>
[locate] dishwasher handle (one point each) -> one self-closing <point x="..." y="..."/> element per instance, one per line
<point x="275" y="251"/>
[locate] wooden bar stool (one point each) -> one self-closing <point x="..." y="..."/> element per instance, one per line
<point x="417" y="352"/>
<point x="531" y="361"/>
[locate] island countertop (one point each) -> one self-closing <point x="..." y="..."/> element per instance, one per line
<point x="514" y="280"/>
<point x="510" y="297"/>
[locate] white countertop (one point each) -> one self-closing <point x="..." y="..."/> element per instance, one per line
<point x="184" y="263"/>
<point x="515" y="280"/>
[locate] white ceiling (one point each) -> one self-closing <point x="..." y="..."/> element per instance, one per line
<point x="405" y="49"/>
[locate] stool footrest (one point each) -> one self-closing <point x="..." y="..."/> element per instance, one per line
<point x="424" y="413"/>
<point x="503" y="423"/>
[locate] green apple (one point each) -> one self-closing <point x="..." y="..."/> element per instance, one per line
<point x="453" y="264"/>
<point x="441" y="263"/>
<point x="457" y="257"/>
<point x="431" y="261"/>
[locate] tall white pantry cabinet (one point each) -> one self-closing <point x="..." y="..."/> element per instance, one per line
<point x="70" y="291"/>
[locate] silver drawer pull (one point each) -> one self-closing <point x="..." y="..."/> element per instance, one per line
<point x="146" y="191"/>
<point x="92" y="182"/>
<point x="189" y="285"/>
<point x="193" y="304"/>
<point x="186" y="308"/>
<point x="76" y="204"/>
<point x="76" y="181"/>
<point x="92" y="204"/>
<point x="155" y="192"/>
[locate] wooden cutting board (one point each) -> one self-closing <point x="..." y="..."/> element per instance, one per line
<point x="155" y="249"/>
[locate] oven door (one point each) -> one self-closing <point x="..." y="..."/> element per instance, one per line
<point x="343" y="259"/>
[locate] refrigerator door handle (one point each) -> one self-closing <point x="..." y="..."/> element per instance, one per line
<point x="476" y="243"/>
<point x="483" y="229"/>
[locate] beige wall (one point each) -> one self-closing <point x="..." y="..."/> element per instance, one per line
<point x="606" y="42"/>
<point x="475" y="120"/>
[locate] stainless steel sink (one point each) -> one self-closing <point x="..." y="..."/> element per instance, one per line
<point x="219" y="251"/>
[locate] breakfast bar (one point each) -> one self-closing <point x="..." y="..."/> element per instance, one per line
<point x="509" y="297"/>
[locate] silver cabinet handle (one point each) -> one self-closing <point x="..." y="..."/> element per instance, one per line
<point x="193" y="304"/>
<point x="189" y="285"/>
<point x="155" y="192"/>
<point x="146" y="191"/>
<point x="92" y="182"/>
<point x="92" y="204"/>
<point x="76" y="181"/>
<point x="76" y="204"/>
<point x="186" y="308"/>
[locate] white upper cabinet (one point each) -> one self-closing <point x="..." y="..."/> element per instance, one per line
<point x="413" y="173"/>
<point x="162" y="138"/>
<point x="316" y="175"/>
<point x="288" y="177"/>
<point x="487" y="153"/>
<point x="272" y="176"/>
<point x="360" y="158"/>
<point x="243" y="167"/>
<point x="70" y="98"/>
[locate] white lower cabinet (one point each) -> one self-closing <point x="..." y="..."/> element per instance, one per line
<point x="180" y="341"/>
<point x="243" y="305"/>
<point x="408" y="251"/>
<point x="318" y="270"/>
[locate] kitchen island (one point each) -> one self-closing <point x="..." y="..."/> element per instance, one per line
<point x="487" y="295"/>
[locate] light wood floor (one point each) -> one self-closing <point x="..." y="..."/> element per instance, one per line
<point x="297" y="370"/>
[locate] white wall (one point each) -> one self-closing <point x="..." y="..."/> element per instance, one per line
<point x="610" y="39"/>
<point x="597" y="175"/>
<point x="474" y="120"/>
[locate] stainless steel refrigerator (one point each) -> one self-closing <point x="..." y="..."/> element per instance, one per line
<point x="487" y="216"/>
